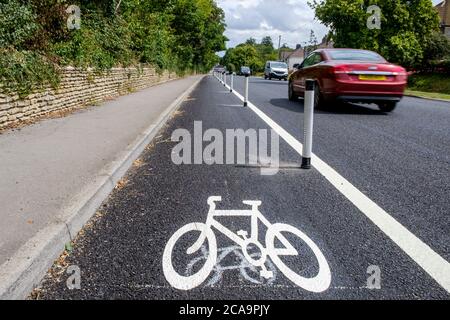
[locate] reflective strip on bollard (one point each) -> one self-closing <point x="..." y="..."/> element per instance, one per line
<point x="246" y="91"/>
<point x="231" y="82"/>
<point x="308" y="119"/>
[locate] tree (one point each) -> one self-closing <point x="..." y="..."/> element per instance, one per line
<point x="437" y="54"/>
<point x="250" y="54"/>
<point x="267" y="42"/>
<point x="437" y="47"/>
<point x="242" y="55"/>
<point x="178" y="35"/>
<point x="266" y="51"/>
<point x="313" y="40"/>
<point x="251" y="41"/>
<point x="405" y="26"/>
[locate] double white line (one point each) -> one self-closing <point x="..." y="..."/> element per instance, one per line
<point x="436" y="266"/>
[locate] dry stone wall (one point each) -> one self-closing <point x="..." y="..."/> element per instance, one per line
<point x="78" y="88"/>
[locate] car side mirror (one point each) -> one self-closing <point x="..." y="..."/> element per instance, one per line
<point x="296" y="66"/>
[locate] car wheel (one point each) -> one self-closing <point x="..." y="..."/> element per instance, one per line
<point x="318" y="99"/>
<point x="292" y="95"/>
<point x="270" y="78"/>
<point x="387" y="106"/>
<point x="265" y="77"/>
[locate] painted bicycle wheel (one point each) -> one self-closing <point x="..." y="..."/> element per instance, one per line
<point x="321" y="281"/>
<point x="189" y="282"/>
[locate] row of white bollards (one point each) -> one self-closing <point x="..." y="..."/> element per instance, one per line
<point x="308" y="115"/>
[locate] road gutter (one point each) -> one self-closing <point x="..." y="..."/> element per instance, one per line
<point x="27" y="267"/>
<point x="426" y="98"/>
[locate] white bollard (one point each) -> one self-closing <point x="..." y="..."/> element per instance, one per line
<point x="232" y="82"/>
<point x="224" y="79"/>
<point x="308" y="119"/>
<point x="246" y="91"/>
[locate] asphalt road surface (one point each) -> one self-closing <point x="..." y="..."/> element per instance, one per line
<point x="400" y="161"/>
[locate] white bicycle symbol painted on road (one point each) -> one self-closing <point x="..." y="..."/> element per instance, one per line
<point x="246" y="269"/>
<point x="318" y="283"/>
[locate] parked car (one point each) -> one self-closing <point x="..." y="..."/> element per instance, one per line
<point x="219" y="68"/>
<point x="245" y="71"/>
<point x="350" y="75"/>
<point x="276" y="69"/>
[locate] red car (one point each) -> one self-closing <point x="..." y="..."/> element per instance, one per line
<point x="350" y="75"/>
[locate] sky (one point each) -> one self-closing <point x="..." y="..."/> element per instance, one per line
<point x="292" y="19"/>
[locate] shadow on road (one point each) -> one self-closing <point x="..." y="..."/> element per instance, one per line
<point x="274" y="82"/>
<point x="333" y="108"/>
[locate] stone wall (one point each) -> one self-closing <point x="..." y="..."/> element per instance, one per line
<point x="78" y="88"/>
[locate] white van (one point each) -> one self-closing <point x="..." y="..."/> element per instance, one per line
<point x="276" y="69"/>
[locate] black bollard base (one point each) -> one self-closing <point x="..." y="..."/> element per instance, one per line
<point x="306" y="163"/>
<point x="245" y="104"/>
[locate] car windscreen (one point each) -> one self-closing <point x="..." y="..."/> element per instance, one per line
<point x="280" y="65"/>
<point x="245" y="69"/>
<point x="359" y="55"/>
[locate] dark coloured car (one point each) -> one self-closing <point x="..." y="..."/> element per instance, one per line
<point x="350" y="75"/>
<point x="245" y="71"/>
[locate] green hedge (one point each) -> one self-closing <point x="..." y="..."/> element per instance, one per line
<point x="430" y="83"/>
<point x="175" y="35"/>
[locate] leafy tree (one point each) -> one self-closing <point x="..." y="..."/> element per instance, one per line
<point x="437" y="47"/>
<point x="251" y="41"/>
<point x="251" y="54"/>
<point x="437" y="54"/>
<point x="267" y="42"/>
<point x="17" y="24"/>
<point x="198" y="28"/>
<point x="313" y="40"/>
<point x="242" y="55"/>
<point x="405" y="26"/>
<point x="180" y="35"/>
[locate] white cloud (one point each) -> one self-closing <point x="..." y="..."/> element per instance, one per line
<point x="292" y="19"/>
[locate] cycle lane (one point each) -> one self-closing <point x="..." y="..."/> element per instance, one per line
<point x="120" y="256"/>
<point x="398" y="160"/>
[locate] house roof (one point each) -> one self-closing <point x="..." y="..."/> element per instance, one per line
<point x="297" y="53"/>
<point x="285" y="54"/>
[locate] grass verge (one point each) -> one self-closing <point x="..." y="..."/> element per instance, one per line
<point x="428" y="95"/>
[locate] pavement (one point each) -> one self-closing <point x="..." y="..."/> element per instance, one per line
<point x="375" y="203"/>
<point x="56" y="172"/>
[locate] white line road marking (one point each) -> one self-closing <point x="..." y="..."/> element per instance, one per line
<point x="436" y="266"/>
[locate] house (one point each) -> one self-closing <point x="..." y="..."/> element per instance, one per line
<point x="300" y="52"/>
<point x="326" y="44"/>
<point x="443" y="9"/>
<point x="293" y="57"/>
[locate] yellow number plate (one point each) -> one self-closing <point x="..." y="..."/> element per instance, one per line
<point x="371" y="77"/>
